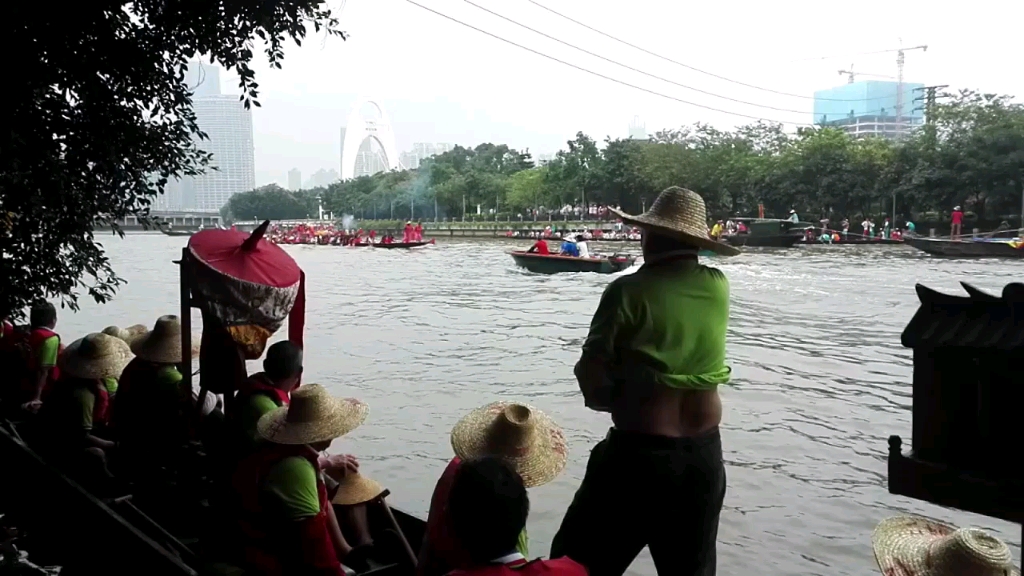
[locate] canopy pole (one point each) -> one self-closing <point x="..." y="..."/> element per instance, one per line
<point x="186" y="326"/>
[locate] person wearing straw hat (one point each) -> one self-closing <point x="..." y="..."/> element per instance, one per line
<point x="286" y="524"/>
<point x="489" y="507"/>
<point x="654" y="358"/>
<point x="526" y="438"/>
<point x="915" y="546"/>
<point x="76" y="405"/>
<point x="150" y="414"/>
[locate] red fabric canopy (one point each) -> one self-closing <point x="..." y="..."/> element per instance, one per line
<point x="241" y="280"/>
<point x="262" y="263"/>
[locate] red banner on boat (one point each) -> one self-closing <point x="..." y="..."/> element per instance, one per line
<point x="249" y="285"/>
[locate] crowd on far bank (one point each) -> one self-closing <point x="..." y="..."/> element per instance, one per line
<point x="327" y="234"/>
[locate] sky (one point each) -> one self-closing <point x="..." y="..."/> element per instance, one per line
<point x="440" y="81"/>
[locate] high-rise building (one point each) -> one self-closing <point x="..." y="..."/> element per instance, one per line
<point x="869" y="108"/>
<point x="294" y="179"/>
<point x="323" y="178"/>
<point x="421" y="151"/>
<point x="637" y="129"/>
<point x="544" y="158"/>
<point x="228" y="126"/>
<point x="409" y="160"/>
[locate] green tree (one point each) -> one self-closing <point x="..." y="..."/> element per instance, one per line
<point x="97" y="119"/>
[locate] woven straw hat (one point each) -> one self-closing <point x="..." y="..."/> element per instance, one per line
<point x="524" y="437"/>
<point x="135" y="332"/>
<point x="680" y="213"/>
<point x="312" y="416"/>
<point x="117" y="332"/>
<point x="914" y="546"/>
<point x="162" y="344"/>
<point x="355" y="488"/>
<point x="96" y="356"/>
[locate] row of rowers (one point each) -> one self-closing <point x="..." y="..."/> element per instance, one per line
<point x="297" y="509"/>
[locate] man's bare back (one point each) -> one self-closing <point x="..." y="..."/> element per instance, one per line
<point x="655" y="409"/>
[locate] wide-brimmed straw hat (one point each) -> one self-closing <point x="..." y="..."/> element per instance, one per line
<point x="96" y="356"/>
<point x="355" y="488"/>
<point x="312" y="416"/>
<point x="524" y="437"/>
<point x="162" y="344"/>
<point x="914" y="546"/>
<point x="117" y="332"/>
<point x="135" y="331"/>
<point x="680" y="213"/>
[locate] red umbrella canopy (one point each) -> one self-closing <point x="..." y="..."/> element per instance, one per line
<point x="247" y="284"/>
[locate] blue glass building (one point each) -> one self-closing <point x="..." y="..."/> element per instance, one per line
<point x="868" y="108"/>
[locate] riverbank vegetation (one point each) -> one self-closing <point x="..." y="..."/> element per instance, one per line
<point x="98" y="118"/>
<point x="970" y="153"/>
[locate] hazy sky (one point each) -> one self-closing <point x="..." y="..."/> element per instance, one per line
<point x="442" y="82"/>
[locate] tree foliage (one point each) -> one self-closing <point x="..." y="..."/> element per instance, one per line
<point x="97" y="119"/>
<point x="972" y="153"/>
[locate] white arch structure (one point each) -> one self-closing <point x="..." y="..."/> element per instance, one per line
<point x="359" y="129"/>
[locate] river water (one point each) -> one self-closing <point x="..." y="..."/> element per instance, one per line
<point x="820" y="377"/>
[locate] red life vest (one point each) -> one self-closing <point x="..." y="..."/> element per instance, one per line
<point x="100" y="408"/>
<point x="556" y="567"/>
<point x="274" y="548"/>
<point x="35" y="339"/>
<point x="260" y="384"/>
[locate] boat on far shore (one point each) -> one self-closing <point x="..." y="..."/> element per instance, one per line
<point x="969" y="248"/>
<point x="555" y="263"/>
<point x="393" y="245"/>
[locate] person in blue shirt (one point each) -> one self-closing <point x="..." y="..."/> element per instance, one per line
<point x="569" y="248"/>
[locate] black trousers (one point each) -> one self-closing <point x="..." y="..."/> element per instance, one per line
<point x="646" y="490"/>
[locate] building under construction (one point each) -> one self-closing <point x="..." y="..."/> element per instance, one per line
<point x="870" y="108"/>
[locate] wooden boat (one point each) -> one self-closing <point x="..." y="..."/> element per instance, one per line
<point x="403" y="244"/>
<point x="855" y="242"/>
<point x="170" y="232"/>
<point x="968" y="248"/>
<point x="61" y="511"/>
<point x="768" y="233"/>
<point x="762" y="241"/>
<point x="555" y="263"/>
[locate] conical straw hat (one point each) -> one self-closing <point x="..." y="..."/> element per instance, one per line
<point x="914" y="546"/>
<point x="135" y="331"/>
<point x="162" y="344"/>
<point x="519" y="434"/>
<point x="355" y="488"/>
<point x="96" y="356"/>
<point x="680" y="213"/>
<point x="312" y="416"/>
<point x="117" y="332"/>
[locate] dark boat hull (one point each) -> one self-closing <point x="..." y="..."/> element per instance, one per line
<point x="875" y="242"/>
<point x="554" y="264"/>
<point x="759" y="241"/>
<point x="178" y="232"/>
<point x="394" y="245"/>
<point x="965" y="248"/>
<point x="62" y="511"/>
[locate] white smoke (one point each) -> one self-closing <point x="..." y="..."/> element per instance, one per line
<point x="348" y="222"/>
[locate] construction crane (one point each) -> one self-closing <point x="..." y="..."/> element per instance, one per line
<point x="899" y="85"/>
<point x="851" y="74"/>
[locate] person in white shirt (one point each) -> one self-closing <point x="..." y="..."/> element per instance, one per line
<point x="581" y="244"/>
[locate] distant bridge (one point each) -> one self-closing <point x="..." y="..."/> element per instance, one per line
<point x="178" y="219"/>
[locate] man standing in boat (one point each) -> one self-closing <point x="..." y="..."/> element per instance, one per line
<point x="654" y="359"/>
<point x="957" y="222"/>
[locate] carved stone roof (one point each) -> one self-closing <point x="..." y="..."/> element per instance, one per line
<point x="977" y="320"/>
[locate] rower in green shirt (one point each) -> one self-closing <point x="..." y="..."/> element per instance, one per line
<point x="265" y="391"/>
